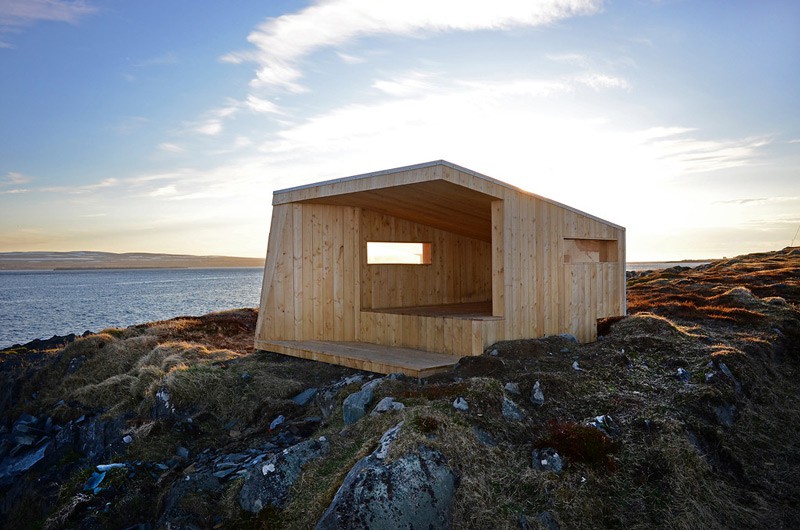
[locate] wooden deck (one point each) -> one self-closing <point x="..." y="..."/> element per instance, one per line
<point x="365" y="356"/>
<point x="468" y="311"/>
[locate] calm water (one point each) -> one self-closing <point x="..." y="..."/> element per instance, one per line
<point x="653" y="265"/>
<point x="40" y="304"/>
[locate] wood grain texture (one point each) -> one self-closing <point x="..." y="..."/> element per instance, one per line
<point x="504" y="264"/>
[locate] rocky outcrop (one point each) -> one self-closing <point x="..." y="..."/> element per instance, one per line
<point x="269" y="484"/>
<point x="414" y="491"/>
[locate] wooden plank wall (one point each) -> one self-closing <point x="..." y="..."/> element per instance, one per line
<point x="316" y="280"/>
<point x="312" y="275"/>
<point x="543" y="294"/>
<point x="460" y="269"/>
<point x="454" y="336"/>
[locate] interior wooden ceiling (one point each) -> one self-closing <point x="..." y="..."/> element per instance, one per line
<point x="435" y="203"/>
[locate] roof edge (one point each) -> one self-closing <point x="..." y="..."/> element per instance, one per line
<point x="451" y="166"/>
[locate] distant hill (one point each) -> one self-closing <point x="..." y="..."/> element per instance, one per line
<point x="110" y="260"/>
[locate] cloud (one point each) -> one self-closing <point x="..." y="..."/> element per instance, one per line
<point x="212" y="124"/>
<point x="86" y="188"/>
<point x="163" y="191"/>
<point x="406" y="85"/>
<point x="757" y="200"/>
<point x="350" y="59"/>
<point x="17" y="14"/>
<point x="281" y="43"/>
<point x="597" y="81"/>
<point x="160" y="60"/>
<point x="262" y="105"/>
<point x="795" y="141"/>
<point x="12" y="178"/>
<point x="24" y="12"/>
<point x="691" y="155"/>
<point x="569" y="58"/>
<point x="171" y="148"/>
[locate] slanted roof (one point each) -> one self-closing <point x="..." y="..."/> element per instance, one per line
<point x="426" y="194"/>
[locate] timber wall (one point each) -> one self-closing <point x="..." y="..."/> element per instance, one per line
<point x="548" y="269"/>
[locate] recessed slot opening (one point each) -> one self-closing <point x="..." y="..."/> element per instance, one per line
<point x="396" y="253"/>
<point x="590" y="250"/>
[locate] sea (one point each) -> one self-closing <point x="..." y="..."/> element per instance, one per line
<point x="40" y="304"/>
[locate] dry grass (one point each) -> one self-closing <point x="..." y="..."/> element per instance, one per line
<point x="672" y="464"/>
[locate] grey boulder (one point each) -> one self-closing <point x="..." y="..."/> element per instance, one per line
<point x="270" y="483"/>
<point x="414" y="491"/>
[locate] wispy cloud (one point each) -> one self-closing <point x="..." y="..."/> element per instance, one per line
<point x="282" y="43"/>
<point x="79" y="190"/>
<point x="350" y="59"/>
<point x="10" y="183"/>
<point x="569" y="58"/>
<point x="795" y="141"/>
<point x="692" y="155"/>
<point x="14" y="178"/>
<point x="164" y="59"/>
<point x="171" y="148"/>
<point x="16" y="14"/>
<point x="598" y="81"/>
<point x="406" y="85"/>
<point x="757" y="200"/>
<point x="23" y="12"/>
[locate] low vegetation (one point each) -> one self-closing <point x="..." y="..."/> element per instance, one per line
<point x="680" y="416"/>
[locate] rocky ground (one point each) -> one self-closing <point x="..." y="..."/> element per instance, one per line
<point x="682" y="415"/>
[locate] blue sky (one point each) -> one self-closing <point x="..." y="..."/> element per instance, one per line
<point x="165" y="126"/>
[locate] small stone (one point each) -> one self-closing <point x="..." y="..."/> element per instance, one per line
<point x="547" y="459"/>
<point x="224" y="473"/>
<point x="277" y="421"/>
<point x="494" y="353"/>
<point x="355" y="405"/>
<point x="385" y="405"/>
<point x="736" y="385"/>
<point x="484" y="437"/>
<point x="107" y="467"/>
<point x="709" y="377"/>
<point x="182" y="452"/>
<point x="246" y="376"/>
<point x="305" y="396"/>
<point x="576" y="367"/>
<point x="725" y="414"/>
<point x="683" y="375"/>
<point x="94" y="481"/>
<point x="511" y="411"/>
<point x="537" y="396"/>
<point x="512" y="388"/>
<point x="127" y="439"/>
<point x="549" y="521"/>
<point x="605" y="424"/>
<point x="461" y="404"/>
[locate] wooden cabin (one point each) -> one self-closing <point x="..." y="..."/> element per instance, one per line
<point x="470" y="261"/>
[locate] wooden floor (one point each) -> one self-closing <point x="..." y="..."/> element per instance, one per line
<point x="470" y="311"/>
<point x="365" y="356"/>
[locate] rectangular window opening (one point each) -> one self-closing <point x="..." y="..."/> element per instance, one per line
<point x="393" y="253"/>
<point x="589" y="250"/>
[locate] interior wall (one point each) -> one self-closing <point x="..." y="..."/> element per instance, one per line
<point x="460" y="270"/>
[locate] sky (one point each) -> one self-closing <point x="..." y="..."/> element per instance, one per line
<point x="152" y="126"/>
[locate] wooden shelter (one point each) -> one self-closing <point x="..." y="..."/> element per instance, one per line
<point x="490" y="262"/>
